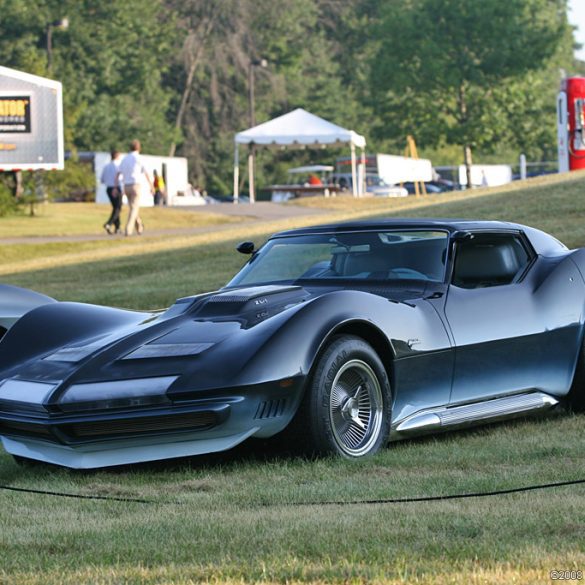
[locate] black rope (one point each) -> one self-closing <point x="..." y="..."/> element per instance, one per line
<point x="438" y="498"/>
<point x="325" y="503"/>
<point x="78" y="496"/>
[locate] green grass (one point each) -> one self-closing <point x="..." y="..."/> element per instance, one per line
<point x="70" y="219"/>
<point x="226" y="519"/>
<point x="145" y="273"/>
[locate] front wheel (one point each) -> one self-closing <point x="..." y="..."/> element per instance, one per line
<point x="348" y="402"/>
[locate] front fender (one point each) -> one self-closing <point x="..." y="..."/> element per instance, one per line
<point x="292" y="348"/>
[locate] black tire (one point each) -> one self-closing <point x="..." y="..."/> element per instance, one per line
<point x="347" y="404"/>
<point x="576" y="397"/>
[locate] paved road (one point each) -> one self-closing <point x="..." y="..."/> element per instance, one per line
<point x="254" y="214"/>
<point x="261" y="210"/>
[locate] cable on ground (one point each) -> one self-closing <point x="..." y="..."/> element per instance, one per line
<point x="313" y="503"/>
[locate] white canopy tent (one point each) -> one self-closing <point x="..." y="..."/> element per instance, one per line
<point x="298" y="129"/>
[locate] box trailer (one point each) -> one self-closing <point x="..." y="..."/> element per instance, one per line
<point x="173" y="169"/>
<point x="31" y="122"/>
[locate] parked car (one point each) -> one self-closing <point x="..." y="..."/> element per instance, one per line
<point x="344" y="336"/>
<point x="375" y="185"/>
<point x="431" y="187"/>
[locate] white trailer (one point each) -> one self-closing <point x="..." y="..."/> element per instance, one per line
<point x="173" y="169"/>
<point x="486" y="175"/>
<point x="31" y="122"/>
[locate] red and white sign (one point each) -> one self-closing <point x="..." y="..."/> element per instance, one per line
<point x="571" y="124"/>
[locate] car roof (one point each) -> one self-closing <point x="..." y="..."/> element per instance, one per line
<point x="542" y="242"/>
<point x="450" y="225"/>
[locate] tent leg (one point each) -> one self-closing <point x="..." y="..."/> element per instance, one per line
<point x="236" y="174"/>
<point x="353" y="172"/>
<point x="251" y="174"/>
<point x="363" y="173"/>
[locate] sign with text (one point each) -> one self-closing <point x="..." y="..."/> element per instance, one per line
<point x="31" y="122"/>
<point x="14" y="114"/>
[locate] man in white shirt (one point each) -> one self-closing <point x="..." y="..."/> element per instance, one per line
<point x="132" y="169"/>
<point x="114" y="190"/>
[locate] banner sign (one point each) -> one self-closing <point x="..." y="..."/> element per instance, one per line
<point x="31" y="122"/>
<point x="15" y="114"/>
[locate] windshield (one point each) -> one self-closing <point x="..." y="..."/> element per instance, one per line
<point x="375" y="181"/>
<point x="373" y="255"/>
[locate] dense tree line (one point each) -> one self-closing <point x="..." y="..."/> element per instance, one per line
<point x="460" y="75"/>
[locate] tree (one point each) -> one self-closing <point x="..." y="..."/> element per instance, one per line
<point x="442" y="64"/>
<point x="111" y="61"/>
<point x="300" y="72"/>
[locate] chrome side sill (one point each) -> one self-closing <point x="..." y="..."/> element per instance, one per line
<point x="487" y="410"/>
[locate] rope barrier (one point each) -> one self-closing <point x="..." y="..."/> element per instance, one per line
<point x="460" y="496"/>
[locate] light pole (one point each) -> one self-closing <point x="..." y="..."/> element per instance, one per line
<point x="252" y="119"/>
<point x="61" y="24"/>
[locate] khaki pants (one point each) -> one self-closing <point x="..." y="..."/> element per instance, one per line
<point x="134" y="221"/>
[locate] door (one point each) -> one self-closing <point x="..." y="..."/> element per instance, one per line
<point x="495" y="314"/>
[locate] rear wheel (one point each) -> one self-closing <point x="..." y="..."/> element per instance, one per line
<point x="346" y="408"/>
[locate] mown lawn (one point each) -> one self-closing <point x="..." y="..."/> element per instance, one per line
<point x="228" y="518"/>
<point x="71" y="219"/>
<point x="152" y="272"/>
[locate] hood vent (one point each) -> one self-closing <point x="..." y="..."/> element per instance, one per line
<point x="228" y="299"/>
<point x="248" y="294"/>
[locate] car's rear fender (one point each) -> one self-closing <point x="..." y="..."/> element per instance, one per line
<point x="16" y="302"/>
<point x="54" y="325"/>
<point x="555" y="312"/>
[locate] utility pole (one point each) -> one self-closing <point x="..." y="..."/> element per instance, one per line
<point x="252" y="121"/>
<point x="61" y="24"/>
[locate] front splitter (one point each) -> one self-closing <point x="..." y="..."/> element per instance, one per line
<point x="110" y="454"/>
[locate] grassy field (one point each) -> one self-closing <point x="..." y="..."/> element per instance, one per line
<point x="234" y="518"/>
<point x="71" y="219"/>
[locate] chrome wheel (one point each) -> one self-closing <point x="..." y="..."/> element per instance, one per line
<point x="356" y="408"/>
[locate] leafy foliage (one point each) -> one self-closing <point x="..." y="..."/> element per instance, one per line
<point x="8" y="205"/>
<point x="174" y="73"/>
<point x="480" y="73"/>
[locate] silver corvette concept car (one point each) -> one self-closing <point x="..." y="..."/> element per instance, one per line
<point x="342" y="336"/>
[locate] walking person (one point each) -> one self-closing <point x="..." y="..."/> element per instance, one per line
<point x="114" y="190"/>
<point x="132" y="169"/>
<point x="160" y="196"/>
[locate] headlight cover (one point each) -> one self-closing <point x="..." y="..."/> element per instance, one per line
<point x="25" y="391"/>
<point x="116" y="394"/>
<point x="161" y="350"/>
<point x="73" y="354"/>
<point x="78" y="351"/>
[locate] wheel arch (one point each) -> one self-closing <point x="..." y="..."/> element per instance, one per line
<point x="296" y="432"/>
<point x="365" y="330"/>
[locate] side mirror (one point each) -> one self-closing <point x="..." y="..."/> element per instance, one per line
<point x="245" y="248"/>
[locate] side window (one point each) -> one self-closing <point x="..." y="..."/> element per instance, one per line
<point x="489" y="260"/>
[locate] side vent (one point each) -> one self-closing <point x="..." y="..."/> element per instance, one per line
<point x="270" y="409"/>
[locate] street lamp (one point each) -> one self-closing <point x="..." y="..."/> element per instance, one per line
<point x="263" y="63"/>
<point x="61" y="24"/>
